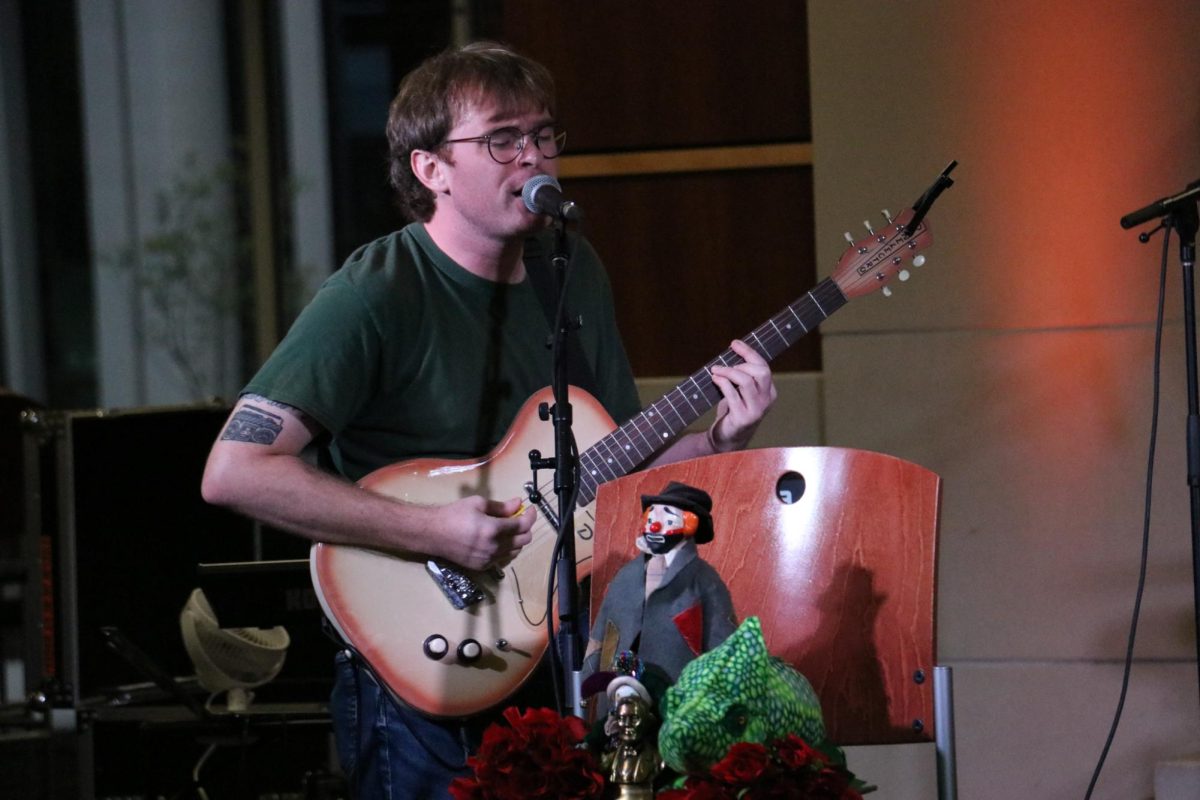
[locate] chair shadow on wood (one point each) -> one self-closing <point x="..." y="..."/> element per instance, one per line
<point x="840" y="657"/>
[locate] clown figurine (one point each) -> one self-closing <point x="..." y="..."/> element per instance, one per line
<point x="667" y="605"/>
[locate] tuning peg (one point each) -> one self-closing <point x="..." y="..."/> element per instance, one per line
<point x="903" y="275"/>
<point x="886" y="291"/>
<point x="887" y="215"/>
<point x="918" y="260"/>
<point x="849" y="238"/>
<point x="867" y="225"/>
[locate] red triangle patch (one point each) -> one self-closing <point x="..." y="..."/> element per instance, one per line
<point x="690" y="623"/>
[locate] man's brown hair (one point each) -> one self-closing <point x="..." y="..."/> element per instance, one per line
<point x="432" y="96"/>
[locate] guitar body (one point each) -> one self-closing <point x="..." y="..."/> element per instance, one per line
<point x="386" y="607"/>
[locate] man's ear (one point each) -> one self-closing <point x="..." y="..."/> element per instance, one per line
<point x="429" y="169"/>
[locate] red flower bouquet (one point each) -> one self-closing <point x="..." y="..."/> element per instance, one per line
<point x="534" y="756"/>
<point x="788" y="768"/>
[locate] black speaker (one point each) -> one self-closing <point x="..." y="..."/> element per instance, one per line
<point x="19" y="579"/>
<point x="124" y="523"/>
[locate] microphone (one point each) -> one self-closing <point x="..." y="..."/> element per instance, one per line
<point x="1160" y="208"/>
<point x="543" y="195"/>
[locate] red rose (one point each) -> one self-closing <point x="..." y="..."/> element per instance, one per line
<point x="576" y="775"/>
<point x="466" y="789"/>
<point x="795" y="753"/>
<point x="544" y="725"/>
<point x="744" y="762"/>
<point x="830" y="784"/>
<point x="534" y="756"/>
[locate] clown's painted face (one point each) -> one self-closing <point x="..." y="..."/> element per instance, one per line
<point x="665" y="526"/>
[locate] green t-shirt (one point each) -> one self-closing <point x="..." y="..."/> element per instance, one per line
<point x="404" y="354"/>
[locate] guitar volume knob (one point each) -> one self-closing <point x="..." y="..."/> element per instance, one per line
<point x="469" y="651"/>
<point x="435" y="647"/>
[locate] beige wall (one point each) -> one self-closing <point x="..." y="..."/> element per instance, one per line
<point x="1018" y="362"/>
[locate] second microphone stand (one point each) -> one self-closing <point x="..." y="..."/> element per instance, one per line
<point x="1185" y="219"/>
<point x="1179" y="213"/>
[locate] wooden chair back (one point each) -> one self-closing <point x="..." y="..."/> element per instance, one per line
<point x="834" y="549"/>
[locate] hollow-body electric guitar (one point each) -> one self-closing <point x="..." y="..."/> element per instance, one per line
<point x="452" y="642"/>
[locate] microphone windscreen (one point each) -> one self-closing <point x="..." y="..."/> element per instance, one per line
<point x="531" y="188"/>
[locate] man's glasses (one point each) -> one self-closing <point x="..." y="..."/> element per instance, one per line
<point x="506" y="144"/>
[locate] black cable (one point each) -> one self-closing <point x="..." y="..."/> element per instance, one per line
<point x="551" y="639"/>
<point x="564" y="528"/>
<point x="1141" y="585"/>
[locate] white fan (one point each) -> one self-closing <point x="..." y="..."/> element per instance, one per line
<point x="230" y="659"/>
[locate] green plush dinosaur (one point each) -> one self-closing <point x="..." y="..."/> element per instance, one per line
<point x="737" y="692"/>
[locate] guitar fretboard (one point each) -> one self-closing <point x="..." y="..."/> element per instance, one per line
<point x="660" y="423"/>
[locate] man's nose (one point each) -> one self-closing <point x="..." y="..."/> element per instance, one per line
<point x="529" y="151"/>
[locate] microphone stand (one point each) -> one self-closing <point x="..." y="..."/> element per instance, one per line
<point x="565" y="463"/>
<point x="1180" y="212"/>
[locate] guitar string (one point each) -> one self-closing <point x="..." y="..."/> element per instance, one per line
<point x="610" y="455"/>
<point x="770" y="341"/>
<point x="608" y="450"/>
<point x="767" y="338"/>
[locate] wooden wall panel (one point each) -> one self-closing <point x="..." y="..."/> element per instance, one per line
<point x="669" y="74"/>
<point x="697" y="259"/>
<point x="707" y="253"/>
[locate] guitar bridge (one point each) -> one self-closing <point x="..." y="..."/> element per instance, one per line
<point x="460" y="590"/>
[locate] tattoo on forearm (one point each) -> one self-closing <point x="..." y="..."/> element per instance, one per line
<point x="254" y="425"/>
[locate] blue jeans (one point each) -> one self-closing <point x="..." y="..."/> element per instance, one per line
<point x="390" y="752"/>
<point x="387" y="750"/>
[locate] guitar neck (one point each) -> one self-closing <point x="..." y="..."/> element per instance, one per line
<point x="660" y="423"/>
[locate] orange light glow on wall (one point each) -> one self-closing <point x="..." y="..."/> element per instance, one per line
<point x="1071" y="119"/>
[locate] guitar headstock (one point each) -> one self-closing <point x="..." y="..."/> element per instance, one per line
<point x="871" y="262"/>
